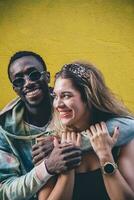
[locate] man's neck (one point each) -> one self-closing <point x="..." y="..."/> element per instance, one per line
<point x="39" y="115"/>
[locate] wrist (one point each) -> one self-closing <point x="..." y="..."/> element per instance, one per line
<point x="48" y="168"/>
<point x="42" y="173"/>
<point x="107" y="157"/>
<point x="109" y="168"/>
<point x="108" y="165"/>
<point x="69" y="172"/>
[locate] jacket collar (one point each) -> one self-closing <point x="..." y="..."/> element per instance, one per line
<point x="10" y="105"/>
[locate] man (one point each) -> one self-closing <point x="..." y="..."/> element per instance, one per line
<point x="23" y="120"/>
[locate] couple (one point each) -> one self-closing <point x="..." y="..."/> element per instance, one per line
<point x="80" y="160"/>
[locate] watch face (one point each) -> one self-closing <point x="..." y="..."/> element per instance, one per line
<point x="109" y="168"/>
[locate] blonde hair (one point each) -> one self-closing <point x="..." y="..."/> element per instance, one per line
<point x="89" y="81"/>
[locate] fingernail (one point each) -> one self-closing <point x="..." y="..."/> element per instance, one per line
<point x="117" y="127"/>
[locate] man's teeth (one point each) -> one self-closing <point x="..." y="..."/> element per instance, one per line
<point x="34" y="92"/>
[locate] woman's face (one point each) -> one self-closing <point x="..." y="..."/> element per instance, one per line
<point x="68" y="102"/>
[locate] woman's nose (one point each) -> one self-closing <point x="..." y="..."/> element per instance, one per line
<point x="58" y="103"/>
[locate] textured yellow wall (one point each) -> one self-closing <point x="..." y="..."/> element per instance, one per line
<point x="101" y="31"/>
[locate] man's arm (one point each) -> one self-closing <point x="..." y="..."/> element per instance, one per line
<point x="16" y="186"/>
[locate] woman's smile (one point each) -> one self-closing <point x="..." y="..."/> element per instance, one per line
<point x="69" y="104"/>
<point x="65" y="114"/>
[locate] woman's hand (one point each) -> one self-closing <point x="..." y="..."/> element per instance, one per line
<point x="72" y="137"/>
<point x="101" y="140"/>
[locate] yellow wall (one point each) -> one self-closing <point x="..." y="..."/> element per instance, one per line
<point x="101" y="31"/>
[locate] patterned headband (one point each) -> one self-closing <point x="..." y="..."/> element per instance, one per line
<point x="78" y="70"/>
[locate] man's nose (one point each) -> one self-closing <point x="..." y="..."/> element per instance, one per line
<point x="28" y="81"/>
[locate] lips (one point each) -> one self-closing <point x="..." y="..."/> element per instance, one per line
<point x="33" y="93"/>
<point x="65" y="114"/>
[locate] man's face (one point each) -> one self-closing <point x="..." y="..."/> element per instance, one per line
<point x="32" y="92"/>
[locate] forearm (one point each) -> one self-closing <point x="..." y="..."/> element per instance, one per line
<point x="44" y="193"/>
<point x="116" y="186"/>
<point x="62" y="190"/>
<point x="24" y="187"/>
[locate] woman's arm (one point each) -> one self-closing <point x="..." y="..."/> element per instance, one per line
<point x="120" y="184"/>
<point x="47" y="189"/>
<point x="62" y="189"/>
<point x="126" y="163"/>
<point x="14" y="185"/>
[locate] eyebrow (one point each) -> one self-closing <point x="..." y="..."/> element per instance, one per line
<point x="63" y="92"/>
<point x="67" y="91"/>
<point x="28" y="71"/>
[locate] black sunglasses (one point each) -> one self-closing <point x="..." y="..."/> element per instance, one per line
<point x="33" y="76"/>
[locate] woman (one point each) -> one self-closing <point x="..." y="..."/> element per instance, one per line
<point x="83" y="102"/>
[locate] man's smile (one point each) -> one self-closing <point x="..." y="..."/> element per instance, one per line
<point x="34" y="92"/>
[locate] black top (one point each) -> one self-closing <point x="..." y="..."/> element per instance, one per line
<point x="90" y="186"/>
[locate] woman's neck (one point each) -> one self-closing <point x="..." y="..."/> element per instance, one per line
<point x="80" y="128"/>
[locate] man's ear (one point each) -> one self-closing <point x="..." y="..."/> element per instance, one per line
<point x="14" y="88"/>
<point x="16" y="91"/>
<point x="48" y="77"/>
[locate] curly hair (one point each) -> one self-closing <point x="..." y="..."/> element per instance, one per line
<point x="21" y="54"/>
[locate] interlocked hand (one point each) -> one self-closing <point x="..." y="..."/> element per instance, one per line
<point x="101" y="140"/>
<point x="42" y="149"/>
<point x="65" y="156"/>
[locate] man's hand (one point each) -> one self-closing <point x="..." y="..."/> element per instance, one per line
<point x="64" y="157"/>
<point x="42" y="149"/>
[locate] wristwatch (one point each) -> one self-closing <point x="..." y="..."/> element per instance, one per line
<point x="109" y="168"/>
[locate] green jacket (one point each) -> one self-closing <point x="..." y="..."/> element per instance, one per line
<point x="18" y="177"/>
